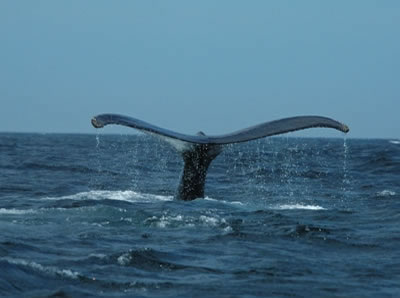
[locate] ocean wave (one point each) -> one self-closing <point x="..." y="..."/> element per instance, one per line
<point x="119" y="195"/>
<point x="13" y="211"/>
<point x="153" y="260"/>
<point x="147" y="259"/>
<point x="383" y="161"/>
<point x="14" y="189"/>
<point x="298" y="207"/>
<point x="224" y="202"/>
<point x="386" y="193"/>
<point x="62" y="168"/>
<point x="396" y="142"/>
<point x="48" y="270"/>
<point x="174" y="221"/>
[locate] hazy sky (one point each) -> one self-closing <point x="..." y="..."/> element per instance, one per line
<point x="215" y="66"/>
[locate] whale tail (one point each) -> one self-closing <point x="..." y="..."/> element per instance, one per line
<point x="200" y="150"/>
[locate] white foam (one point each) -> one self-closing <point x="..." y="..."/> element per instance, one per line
<point x="228" y="229"/>
<point x="16" y="211"/>
<point x="50" y="270"/>
<point x="386" y="193"/>
<point x="98" y="256"/>
<point x="165" y="221"/>
<point x="119" y="195"/>
<point x="223" y="201"/>
<point x="298" y="207"/>
<point x="208" y="220"/>
<point x="397" y="142"/>
<point x="124" y="259"/>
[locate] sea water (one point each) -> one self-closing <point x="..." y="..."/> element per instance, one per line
<point x="95" y="216"/>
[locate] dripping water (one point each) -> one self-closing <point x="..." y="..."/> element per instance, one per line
<point x="345" y="179"/>
<point x="97" y="164"/>
<point x="97" y="141"/>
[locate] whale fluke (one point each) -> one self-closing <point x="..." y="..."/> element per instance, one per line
<point x="199" y="150"/>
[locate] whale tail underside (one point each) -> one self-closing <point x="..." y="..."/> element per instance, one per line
<point x="199" y="150"/>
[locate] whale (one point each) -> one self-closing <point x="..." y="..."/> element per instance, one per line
<point x="198" y="151"/>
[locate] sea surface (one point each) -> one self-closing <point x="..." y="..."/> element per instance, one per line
<point x="95" y="216"/>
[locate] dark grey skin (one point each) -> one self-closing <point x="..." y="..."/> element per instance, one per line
<point x="199" y="151"/>
<point x="193" y="176"/>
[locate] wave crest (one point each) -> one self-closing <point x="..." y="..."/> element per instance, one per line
<point x="119" y="195"/>
<point x="48" y="270"/>
<point x="298" y="207"/>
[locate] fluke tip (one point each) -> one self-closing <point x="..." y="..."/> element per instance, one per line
<point x="96" y="124"/>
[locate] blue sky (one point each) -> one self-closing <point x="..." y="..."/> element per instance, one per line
<point x="215" y="66"/>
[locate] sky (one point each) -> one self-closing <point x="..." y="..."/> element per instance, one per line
<point x="215" y="66"/>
